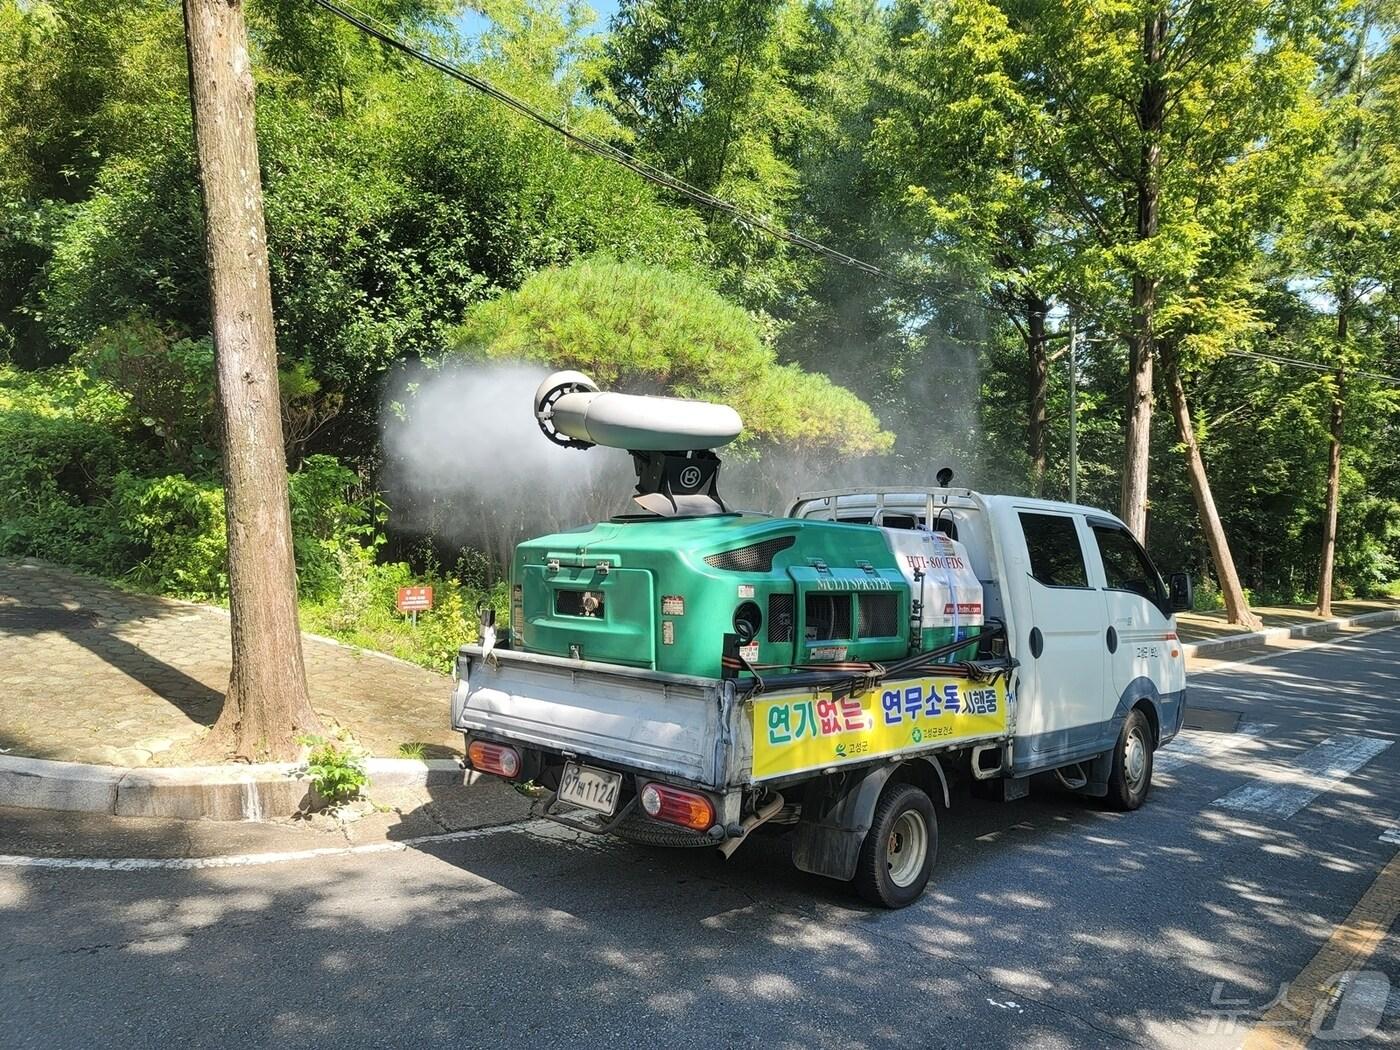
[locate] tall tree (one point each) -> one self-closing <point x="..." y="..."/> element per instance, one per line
<point x="701" y="88"/>
<point x="1150" y="99"/>
<point x="267" y="706"/>
<point x="1346" y="234"/>
<point x="1228" y="209"/>
<point x="958" y="140"/>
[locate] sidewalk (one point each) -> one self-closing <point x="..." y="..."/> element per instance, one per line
<point x="1209" y="626"/>
<point x="89" y="673"/>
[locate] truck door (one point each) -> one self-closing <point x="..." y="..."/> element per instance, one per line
<point x="1142" y="636"/>
<point x="1062" y="650"/>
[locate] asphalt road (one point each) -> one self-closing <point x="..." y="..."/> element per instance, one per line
<point x="1051" y="922"/>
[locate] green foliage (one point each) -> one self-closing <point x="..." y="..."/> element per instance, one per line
<point x="983" y="150"/>
<point x="168" y="383"/>
<point x="393" y="200"/>
<point x="80" y="483"/>
<point x="176" y="526"/>
<point x="61" y="447"/>
<point x="336" y="769"/>
<point x="361" y="609"/>
<point x="646" y="329"/>
<point x="328" y="523"/>
<point x="1207" y="597"/>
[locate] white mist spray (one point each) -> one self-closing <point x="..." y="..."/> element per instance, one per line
<point x="465" y="461"/>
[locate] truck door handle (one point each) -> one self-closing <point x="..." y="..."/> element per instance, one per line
<point x="1037" y="642"/>
<point x="1112" y="639"/>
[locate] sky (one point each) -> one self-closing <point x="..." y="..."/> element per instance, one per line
<point x="472" y="23"/>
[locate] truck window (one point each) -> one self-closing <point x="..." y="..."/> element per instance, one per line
<point x="1056" y="557"/>
<point x="1127" y="566"/>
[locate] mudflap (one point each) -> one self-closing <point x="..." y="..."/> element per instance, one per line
<point x="1001" y="789"/>
<point x="1099" y="770"/>
<point x="837" y="812"/>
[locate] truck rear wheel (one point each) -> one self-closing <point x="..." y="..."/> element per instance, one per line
<point x="899" y="849"/>
<point x="1131" y="776"/>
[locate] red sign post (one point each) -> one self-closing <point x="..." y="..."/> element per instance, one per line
<point x="413" y="599"/>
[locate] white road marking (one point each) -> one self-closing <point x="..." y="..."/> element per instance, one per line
<point x="1194" y="745"/>
<point x="1316" y="770"/>
<point x="248" y="860"/>
<point x="1010" y="1004"/>
<point x="1391" y="835"/>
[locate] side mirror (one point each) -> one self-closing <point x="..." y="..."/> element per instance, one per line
<point x="1182" y="592"/>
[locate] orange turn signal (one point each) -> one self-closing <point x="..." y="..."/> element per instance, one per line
<point x="674" y="805"/>
<point x="494" y="758"/>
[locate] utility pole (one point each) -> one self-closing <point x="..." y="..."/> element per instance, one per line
<point x="267" y="706"/>
<point x="1073" y="415"/>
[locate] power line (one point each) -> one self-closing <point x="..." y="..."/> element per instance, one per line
<point x="603" y="149"/>
<point x="1315" y="366"/>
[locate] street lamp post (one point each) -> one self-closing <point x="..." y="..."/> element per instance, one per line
<point x="1073" y="417"/>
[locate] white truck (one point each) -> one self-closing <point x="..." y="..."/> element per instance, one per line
<point x="851" y="734"/>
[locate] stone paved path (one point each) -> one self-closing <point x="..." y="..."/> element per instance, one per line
<point x="89" y="673"/>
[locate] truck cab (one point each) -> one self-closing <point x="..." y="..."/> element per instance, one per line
<point x="1089" y="618"/>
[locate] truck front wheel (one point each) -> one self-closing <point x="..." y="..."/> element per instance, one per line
<point x="900" y="848"/>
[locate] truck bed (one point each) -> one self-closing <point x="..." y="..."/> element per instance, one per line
<point x="703" y="731"/>
<point x="673" y="725"/>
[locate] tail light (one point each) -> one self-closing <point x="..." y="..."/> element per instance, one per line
<point x="494" y="758"/>
<point x="674" y="805"/>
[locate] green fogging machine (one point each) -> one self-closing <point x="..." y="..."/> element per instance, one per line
<point x="691" y="587"/>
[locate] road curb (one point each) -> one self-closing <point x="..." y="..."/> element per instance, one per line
<point x="227" y="792"/>
<point x="1230" y="643"/>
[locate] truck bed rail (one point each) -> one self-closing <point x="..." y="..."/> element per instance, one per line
<point x="673" y="725"/>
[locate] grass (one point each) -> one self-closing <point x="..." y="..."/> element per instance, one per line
<point x="397" y="637"/>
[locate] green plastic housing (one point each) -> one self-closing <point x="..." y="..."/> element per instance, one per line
<point x="662" y="593"/>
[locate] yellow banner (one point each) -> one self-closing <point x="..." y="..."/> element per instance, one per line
<point x="798" y="733"/>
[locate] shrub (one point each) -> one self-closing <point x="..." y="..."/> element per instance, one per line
<point x="1207" y="597"/>
<point x="327" y="522"/>
<point x="177" y="525"/>
<point x="61" y="446"/>
<point x="336" y="769"/>
<point x="168" y="382"/>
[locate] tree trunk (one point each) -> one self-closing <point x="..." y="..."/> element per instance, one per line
<point x="1151" y="112"/>
<point x="267" y="704"/>
<point x="1040" y="390"/>
<point x="1334" y="475"/>
<point x="1236" y="607"/>
<point x="1137" y="441"/>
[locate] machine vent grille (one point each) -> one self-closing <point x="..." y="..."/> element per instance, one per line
<point x="781" y="624"/>
<point x="756" y="557"/>
<point x="828" y="615"/>
<point x="879" y="615"/>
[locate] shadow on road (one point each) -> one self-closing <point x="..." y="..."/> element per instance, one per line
<point x="1050" y="922"/>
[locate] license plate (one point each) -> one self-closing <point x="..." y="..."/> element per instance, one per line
<point x="595" y="789"/>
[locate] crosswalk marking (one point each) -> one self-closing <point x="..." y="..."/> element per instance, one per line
<point x="1193" y="746"/>
<point x="1316" y="770"/>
